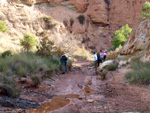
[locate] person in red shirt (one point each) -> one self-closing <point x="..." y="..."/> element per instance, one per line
<point x="105" y="54"/>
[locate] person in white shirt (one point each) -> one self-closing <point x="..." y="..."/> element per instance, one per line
<point x="95" y="61"/>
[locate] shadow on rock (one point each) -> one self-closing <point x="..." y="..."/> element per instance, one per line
<point x="18" y="103"/>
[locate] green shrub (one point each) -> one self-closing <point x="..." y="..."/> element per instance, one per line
<point x="44" y="33"/>
<point x="71" y="22"/>
<point x="140" y="73"/>
<point x="26" y="64"/>
<point x="29" y="42"/>
<point x="36" y="79"/>
<point x="29" y="64"/>
<point x="145" y="10"/>
<point x="81" y="19"/>
<point x="121" y="36"/>
<point x="112" y="67"/>
<point x="141" y="76"/>
<point x="21" y="71"/>
<point x="103" y="74"/>
<point x="48" y="22"/>
<point x="112" y="55"/>
<point x="48" y="48"/>
<point x="111" y="49"/>
<point x="8" y="86"/>
<point x="3" y="27"/>
<point x="81" y="57"/>
<point x="6" y="53"/>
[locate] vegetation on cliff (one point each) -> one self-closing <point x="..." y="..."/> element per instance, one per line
<point x="3" y="27"/>
<point x="145" y="10"/>
<point x="28" y="42"/>
<point x="121" y="36"/>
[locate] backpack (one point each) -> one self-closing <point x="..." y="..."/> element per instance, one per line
<point x="98" y="57"/>
<point x="101" y="55"/>
<point x="63" y="58"/>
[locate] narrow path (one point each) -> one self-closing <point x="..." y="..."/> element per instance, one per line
<point x="76" y="92"/>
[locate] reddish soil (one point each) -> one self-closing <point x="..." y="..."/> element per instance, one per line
<point x="81" y="91"/>
<point x="124" y="95"/>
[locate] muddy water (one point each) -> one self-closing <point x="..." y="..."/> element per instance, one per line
<point x="87" y="90"/>
<point x="61" y="101"/>
<point x="56" y="103"/>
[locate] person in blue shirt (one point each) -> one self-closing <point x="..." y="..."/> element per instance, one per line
<point x="63" y="60"/>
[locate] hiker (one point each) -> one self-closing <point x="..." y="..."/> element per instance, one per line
<point x="95" y="62"/>
<point x="99" y="60"/>
<point x="105" y="54"/>
<point x="101" y="55"/>
<point x="63" y="60"/>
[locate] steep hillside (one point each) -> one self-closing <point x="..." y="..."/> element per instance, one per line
<point x="101" y="18"/>
<point x="21" y="19"/>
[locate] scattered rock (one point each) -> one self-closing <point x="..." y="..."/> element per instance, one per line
<point x="81" y="97"/>
<point x="90" y="100"/>
<point x="122" y="63"/>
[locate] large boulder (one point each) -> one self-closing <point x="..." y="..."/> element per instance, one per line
<point x="106" y="63"/>
<point x="97" y="11"/>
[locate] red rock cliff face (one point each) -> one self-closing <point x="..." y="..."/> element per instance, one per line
<point x="98" y="11"/>
<point x="124" y="12"/>
<point x="103" y="17"/>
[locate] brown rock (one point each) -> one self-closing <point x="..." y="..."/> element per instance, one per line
<point x="30" y="2"/>
<point x="90" y="100"/>
<point x="97" y="11"/>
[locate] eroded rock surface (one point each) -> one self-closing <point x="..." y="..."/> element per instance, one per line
<point x="139" y="40"/>
<point x="102" y="17"/>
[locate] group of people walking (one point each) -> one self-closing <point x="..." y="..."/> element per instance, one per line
<point x="98" y="58"/>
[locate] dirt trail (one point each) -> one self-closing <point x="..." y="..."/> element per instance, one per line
<point x="81" y="91"/>
<point x="74" y="91"/>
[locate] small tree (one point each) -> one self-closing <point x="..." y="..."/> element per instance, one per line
<point x="29" y="42"/>
<point x="48" y="48"/>
<point x="121" y="36"/>
<point x="145" y="10"/>
<point x="3" y="27"/>
<point x="71" y="22"/>
<point x="81" y="19"/>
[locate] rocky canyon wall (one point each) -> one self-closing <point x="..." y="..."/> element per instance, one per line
<point x="102" y="17"/>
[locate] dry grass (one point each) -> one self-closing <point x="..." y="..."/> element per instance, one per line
<point x="82" y="53"/>
<point x="140" y="73"/>
<point x="113" y="54"/>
